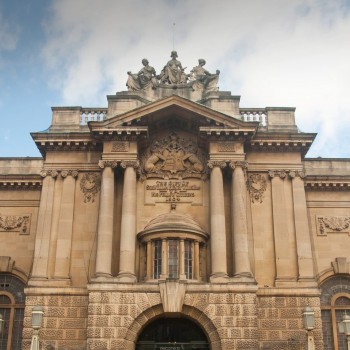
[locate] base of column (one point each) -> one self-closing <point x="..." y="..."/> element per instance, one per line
<point x="243" y="277"/>
<point x="126" y="277"/>
<point x="219" y="278"/>
<point x="103" y="274"/>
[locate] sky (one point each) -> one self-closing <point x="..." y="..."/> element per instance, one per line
<point x="273" y="53"/>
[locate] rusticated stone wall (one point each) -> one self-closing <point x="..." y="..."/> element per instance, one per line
<point x="64" y="321"/>
<point x="281" y="325"/>
<point x="117" y="318"/>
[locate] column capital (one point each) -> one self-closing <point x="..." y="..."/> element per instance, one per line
<point x="293" y="174"/>
<point x="277" y="173"/>
<point x="69" y="172"/>
<point x="49" y="172"/>
<point x="240" y="163"/>
<point x="107" y="163"/>
<point x="216" y="163"/>
<point x="135" y="163"/>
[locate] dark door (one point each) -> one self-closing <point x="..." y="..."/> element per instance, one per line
<point x="172" y="334"/>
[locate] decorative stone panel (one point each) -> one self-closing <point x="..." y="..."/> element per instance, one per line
<point x="64" y="322"/>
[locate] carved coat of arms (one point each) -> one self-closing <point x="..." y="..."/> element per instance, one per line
<point x="173" y="157"/>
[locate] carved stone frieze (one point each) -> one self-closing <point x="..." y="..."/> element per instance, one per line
<point x="257" y="185"/>
<point x="90" y="185"/>
<point x="15" y="223"/>
<point x="173" y="157"/>
<point x="107" y="163"/>
<point x="332" y="224"/>
<point x="120" y="146"/>
<point x="226" y="147"/>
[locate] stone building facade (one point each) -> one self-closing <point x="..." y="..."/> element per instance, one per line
<point x="174" y="219"/>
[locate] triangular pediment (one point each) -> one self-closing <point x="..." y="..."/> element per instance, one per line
<point x="174" y="110"/>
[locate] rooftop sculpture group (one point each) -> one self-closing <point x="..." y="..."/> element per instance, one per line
<point x="173" y="74"/>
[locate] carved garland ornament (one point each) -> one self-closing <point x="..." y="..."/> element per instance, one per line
<point x="257" y="186"/>
<point x="333" y="224"/>
<point x="173" y="157"/>
<point x="90" y="185"/>
<point x="15" y="223"/>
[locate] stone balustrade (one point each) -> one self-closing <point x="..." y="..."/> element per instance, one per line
<point x="254" y="115"/>
<point x="93" y="114"/>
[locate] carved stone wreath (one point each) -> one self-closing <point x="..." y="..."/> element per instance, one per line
<point x="173" y="157"/>
<point x="90" y="185"/>
<point x="257" y="186"/>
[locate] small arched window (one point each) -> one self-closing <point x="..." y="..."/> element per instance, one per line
<point x="335" y="301"/>
<point x="12" y="304"/>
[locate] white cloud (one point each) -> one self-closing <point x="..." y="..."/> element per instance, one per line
<point x="273" y="53"/>
<point x="9" y="34"/>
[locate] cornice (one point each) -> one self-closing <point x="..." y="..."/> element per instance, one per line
<point x="327" y="185"/>
<point x="120" y="133"/>
<point x="227" y="134"/>
<point x="24" y="183"/>
<point x="281" y="142"/>
<point x="65" y="142"/>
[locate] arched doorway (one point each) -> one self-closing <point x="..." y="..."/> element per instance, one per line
<point x="172" y="334"/>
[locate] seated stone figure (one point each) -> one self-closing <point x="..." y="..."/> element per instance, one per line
<point x="203" y="79"/>
<point x="173" y="73"/>
<point x="144" y="78"/>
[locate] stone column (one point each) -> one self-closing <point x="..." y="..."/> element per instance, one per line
<point x="302" y="231"/>
<point x="105" y="220"/>
<point x="65" y="225"/>
<point x="182" y="275"/>
<point x="164" y="273"/>
<point x="239" y="220"/>
<point x="43" y="231"/>
<point x="280" y="228"/>
<point x="149" y="261"/>
<point x="128" y="224"/>
<point x="217" y="224"/>
<point x="196" y="260"/>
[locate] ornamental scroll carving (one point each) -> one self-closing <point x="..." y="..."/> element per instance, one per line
<point x="173" y="157"/>
<point x="257" y="185"/>
<point x="15" y="223"/>
<point x="90" y="185"/>
<point x="332" y="224"/>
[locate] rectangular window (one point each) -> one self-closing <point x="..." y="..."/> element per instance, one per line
<point x="157" y="259"/>
<point x="188" y="260"/>
<point x="173" y="259"/>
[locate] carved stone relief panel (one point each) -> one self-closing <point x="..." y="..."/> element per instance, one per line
<point x="15" y="223"/>
<point x="332" y="224"/>
<point x="90" y="185"/>
<point x="226" y="147"/>
<point x="173" y="157"/>
<point x="257" y="186"/>
<point x="119" y="146"/>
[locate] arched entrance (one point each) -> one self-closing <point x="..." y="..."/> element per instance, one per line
<point x="172" y="334"/>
